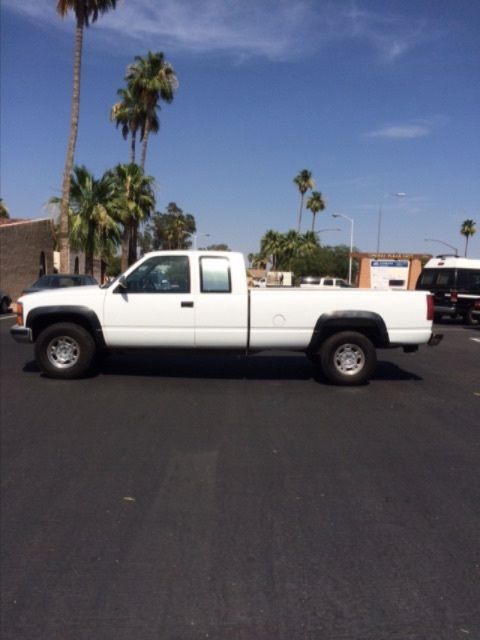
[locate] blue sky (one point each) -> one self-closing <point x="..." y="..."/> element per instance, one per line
<point x="374" y="97"/>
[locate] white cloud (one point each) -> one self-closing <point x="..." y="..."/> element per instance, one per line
<point x="402" y="131"/>
<point x="391" y="36"/>
<point x="409" y="130"/>
<point x="273" y="29"/>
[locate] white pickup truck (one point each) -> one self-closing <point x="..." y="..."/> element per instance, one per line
<point x="199" y="300"/>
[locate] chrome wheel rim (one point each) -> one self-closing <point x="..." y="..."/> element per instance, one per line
<point x="349" y="359"/>
<point x="63" y="352"/>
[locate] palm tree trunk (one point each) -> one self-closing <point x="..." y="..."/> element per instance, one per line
<point x="132" y="242"/>
<point x="466" y="244"/>
<point x="132" y="147"/>
<point x="125" y="247"/>
<point x="65" y="204"/>
<point x="300" y="213"/>
<point x="134" y="228"/>
<point x="103" y="268"/>
<point x="89" y="250"/>
<point x="89" y="262"/>
<point x="313" y="222"/>
<point x="145" y="143"/>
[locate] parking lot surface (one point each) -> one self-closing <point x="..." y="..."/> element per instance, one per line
<point x="228" y="498"/>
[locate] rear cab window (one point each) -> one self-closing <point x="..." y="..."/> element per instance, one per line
<point x="215" y="275"/>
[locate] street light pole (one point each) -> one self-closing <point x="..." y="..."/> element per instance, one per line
<point x="400" y="194"/>
<point x="445" y="243"/>
<point x="342" y="215"/>
<point x="198" y="235"/>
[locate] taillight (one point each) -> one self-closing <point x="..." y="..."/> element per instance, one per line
<point x="20" y="314"/>
<point x="453" y="296"/>
<point x="430" y="307"/>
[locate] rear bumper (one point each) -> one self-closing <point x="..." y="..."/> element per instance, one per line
<point x="435" y="339"/>
<point x="21" y="334"/>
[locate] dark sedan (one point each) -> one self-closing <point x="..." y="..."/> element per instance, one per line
<point x="5" y="301"/>
<point x="58" y="280"/>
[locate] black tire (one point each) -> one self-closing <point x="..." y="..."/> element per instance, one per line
<point x="348" y="358"/>
<point x="313" y="356"/>
<point x="65" y="350"/>
<point x="470" y="319"/>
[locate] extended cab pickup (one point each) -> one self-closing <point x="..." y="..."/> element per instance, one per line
<point x="199" y="300"/>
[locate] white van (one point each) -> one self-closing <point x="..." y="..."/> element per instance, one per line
<point x="323" y="283"/>
<point x="455" y="283"/>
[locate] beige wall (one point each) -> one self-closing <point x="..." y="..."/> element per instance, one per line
<point x="21" y="247"/>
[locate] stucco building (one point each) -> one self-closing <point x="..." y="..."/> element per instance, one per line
<point x="26" y="252"/>
<point x="389" y="270"/>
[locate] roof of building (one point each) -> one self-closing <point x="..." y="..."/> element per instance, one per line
<point x="4" y="222"/>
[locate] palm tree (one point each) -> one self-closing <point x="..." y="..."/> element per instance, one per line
<point x="134" y="203"/>
<point x="291" y="243"/>
<point x="3" y="209"/>
<point x="93" y="226"/>
<point x="315" y="203"/>
<point x="468" y="229"/>
<point x="257" y="261"/>
<point x="86" y="12"/>
<point x="271" y="247"/>
<point x="130" y="115"/>
<point x="150" y="80"/>
<point x="308" y="243"/>
<point x="304" y="182"/>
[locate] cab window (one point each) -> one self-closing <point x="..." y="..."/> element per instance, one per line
<point x="161" y="274"/>
<point x="215" y="276"/>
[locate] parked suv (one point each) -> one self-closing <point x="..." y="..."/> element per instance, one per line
<point x="455" y="283"/>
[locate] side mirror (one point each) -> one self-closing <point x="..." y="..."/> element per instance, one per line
<point x="122" y="286"/>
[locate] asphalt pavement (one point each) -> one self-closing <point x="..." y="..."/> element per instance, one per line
<point x="183" y="498"/>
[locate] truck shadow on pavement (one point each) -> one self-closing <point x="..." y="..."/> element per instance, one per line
<point x="259" y="367"/>
<point x="271" y="367"/>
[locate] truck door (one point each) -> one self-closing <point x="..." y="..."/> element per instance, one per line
<point x="157" y="307"/>
<point x="221" y="312"/>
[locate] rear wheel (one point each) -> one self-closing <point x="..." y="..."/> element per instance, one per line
<point x="65" y="350"/>
<point x="348" y="358"/>
<point x="470" y="319"/>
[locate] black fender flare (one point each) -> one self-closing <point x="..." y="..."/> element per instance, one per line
<point x="40" y="317"/>
<point x="369" y="323"/>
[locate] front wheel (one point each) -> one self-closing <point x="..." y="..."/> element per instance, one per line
<point x="348" y="358"/>
<point x="65" y="350"/>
